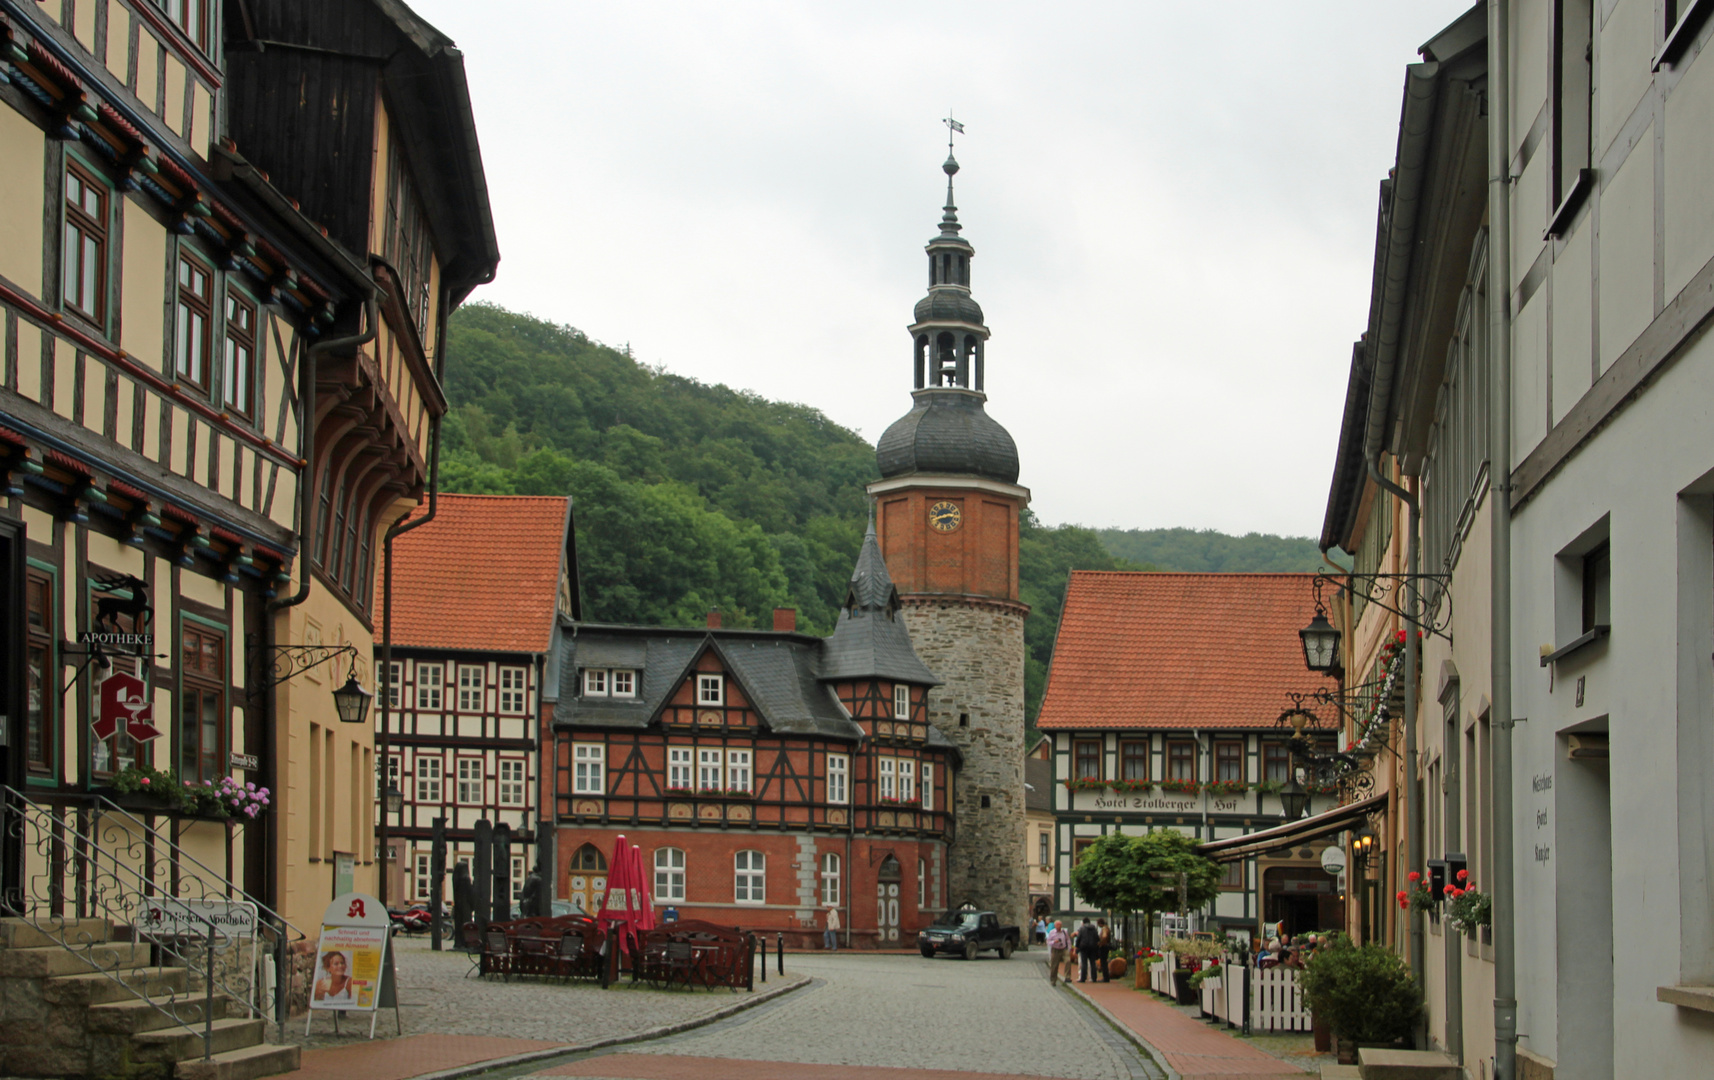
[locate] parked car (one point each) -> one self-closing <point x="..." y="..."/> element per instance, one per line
<point x="968" y="933"/>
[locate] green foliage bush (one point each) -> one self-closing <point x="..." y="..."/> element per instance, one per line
<point x="1139" y="873"/>
<point x="1366" y="993"/>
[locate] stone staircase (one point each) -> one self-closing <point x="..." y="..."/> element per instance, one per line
<point x="61" y="1018"/>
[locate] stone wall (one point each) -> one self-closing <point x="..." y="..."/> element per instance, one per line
<point x="976" y="647"/>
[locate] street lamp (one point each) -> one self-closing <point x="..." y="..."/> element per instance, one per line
<point x="1294" y="799"/>
<point x="395" y="799"/>
<point x="1320" y="642"/>
<point x="352" y="700"/>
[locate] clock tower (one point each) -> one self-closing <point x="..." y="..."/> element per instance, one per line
<point x="948" y="503"/>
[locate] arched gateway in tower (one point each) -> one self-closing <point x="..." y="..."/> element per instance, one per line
<point x="948" y="504"/>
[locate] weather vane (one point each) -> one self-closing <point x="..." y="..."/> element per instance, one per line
<point x="952" y="126"/>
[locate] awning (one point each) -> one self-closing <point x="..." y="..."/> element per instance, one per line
<point x="1289" y="835"/>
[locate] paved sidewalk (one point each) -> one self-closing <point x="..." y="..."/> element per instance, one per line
<point x="1189" y="1047"/>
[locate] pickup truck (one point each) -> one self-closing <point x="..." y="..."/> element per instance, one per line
<point x="967" y="933"/>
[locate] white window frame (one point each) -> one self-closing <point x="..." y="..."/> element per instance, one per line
<point x="901" y="701"/>
<point x="588" y="768"/>
<point x="431" y="680"/>
<point x="669" y="874"/>
<point x="838" y="779"/>
<point x="922" y="884"/>
<point x="907" y="780"/>
<point x="514" y="690"/>
<point x="420" y="879"/>
<point x="710" y="689"/>
<point x="395" y="684"/>
<point x="622" y="682"/>
<point x="512" y="787"/>
<point x="830" y="879"/>
<point x="709" y="774"/>
<point x="519" y="872"/>
<point x="739" y="775"/>
<point x="681" y="768"/>
<point x="428" y="772"/>
<point x="750" y="877"/>
<point x="886" y="772"/>
<point x="472" y="680"/>
<point x="461" y="781"/>
<point x="594" y="682"/>
<point x="927" y="787"/>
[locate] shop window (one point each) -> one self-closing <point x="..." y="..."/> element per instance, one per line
<point x="41" y="689"/>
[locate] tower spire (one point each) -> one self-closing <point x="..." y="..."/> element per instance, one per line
<point x="949" y="225"/>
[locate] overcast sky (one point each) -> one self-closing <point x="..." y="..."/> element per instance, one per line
<point x="1172" y="206"/>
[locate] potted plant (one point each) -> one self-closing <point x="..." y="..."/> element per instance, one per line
<point x="1466" y="907"/>
<point x="1366" y="993"/>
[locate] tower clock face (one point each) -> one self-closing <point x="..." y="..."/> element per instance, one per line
<point x="945" y="516"/>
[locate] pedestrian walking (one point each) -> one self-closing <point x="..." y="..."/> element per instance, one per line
<point x="1105" y="947"/>
<point x="1058" y="941"/>
<point x="830" y="936"/>
<point x="1088" y="941"/>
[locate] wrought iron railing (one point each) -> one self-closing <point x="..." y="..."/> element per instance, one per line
<point x="90" y="859"/>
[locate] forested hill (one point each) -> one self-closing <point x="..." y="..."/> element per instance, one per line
<point x="689" y="496"/>
<point x="1204" y="550"/>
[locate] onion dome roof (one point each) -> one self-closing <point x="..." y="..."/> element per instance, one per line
<point x="948" y="432"/>
<point x="949" y="305"/>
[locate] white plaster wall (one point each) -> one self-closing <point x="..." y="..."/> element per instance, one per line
<point x="1624" y="50"/>
<point x="1689" y="164"/>
<point x="1529" y="377"/>
<point x="1632" y="679"/>
<point x="1572" y="319"/>
<point x="1627" y="251"/>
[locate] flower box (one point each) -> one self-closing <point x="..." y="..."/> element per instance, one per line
<point x="1132" y="787"/>
<point x="1085" y="785"/>
<point x="1226" y="787"/>
<point x="1181" y="787"/>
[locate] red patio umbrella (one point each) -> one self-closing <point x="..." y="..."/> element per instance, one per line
<point x="622" y="901"/>
<point x="643" y="905"/>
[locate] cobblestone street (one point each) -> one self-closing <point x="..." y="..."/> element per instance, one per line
<point x="436" y="999"/>
<point x="987" y="1018"/>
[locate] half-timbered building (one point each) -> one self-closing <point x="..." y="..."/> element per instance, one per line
<point x="1163" y="702"/>
<point x="222" y="307"/>
<point x="478" y="593"/>
<point x="767" y="774"/>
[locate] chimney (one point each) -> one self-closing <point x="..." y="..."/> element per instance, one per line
<point x="714" y="618"/>
<point x="785" y="618"/>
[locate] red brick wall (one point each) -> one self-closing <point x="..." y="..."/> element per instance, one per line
<point x="979" y="558"/>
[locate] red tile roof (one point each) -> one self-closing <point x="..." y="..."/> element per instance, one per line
<point x="1145" y="650"/>
<point x="484" y="574"/>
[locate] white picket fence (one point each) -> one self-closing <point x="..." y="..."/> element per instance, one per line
<point x="1276" y="1003"/>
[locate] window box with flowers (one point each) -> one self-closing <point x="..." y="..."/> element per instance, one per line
<point x="740" y="793"/>
<point x="1227" y="787"/>
<point x="1088" y="783"/>
<point x="711" y="792"/>
<point x="1321" y="789"/>
<point x="225" y="798"/>
<point x="1271" y="787"/>
<point x="1181" y="787"/>
<point x="888" y="800"/>
<point x="1132" y="787"/>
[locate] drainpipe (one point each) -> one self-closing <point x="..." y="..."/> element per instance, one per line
<point x="394" y="531"/>
<point x="306" y="537"/>
<point x="1500" y="524"/>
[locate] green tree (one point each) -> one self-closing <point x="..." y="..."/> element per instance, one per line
<point x="1132" y="874"/>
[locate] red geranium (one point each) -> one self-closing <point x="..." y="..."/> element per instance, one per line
<point x="1414" y="876"/>
<point x="1403" y="899"/>
<point x="1463" y="875"/>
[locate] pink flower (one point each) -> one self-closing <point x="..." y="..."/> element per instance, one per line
<point x="145" y="780"/>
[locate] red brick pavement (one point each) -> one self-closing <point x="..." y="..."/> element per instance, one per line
<point x="413" y="1055"/>
<point x="1193" y="1049"/>
<point x="675" y="1067"/>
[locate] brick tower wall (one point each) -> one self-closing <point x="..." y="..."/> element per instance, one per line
<point x="977" y="647"/>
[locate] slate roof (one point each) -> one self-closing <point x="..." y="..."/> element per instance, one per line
<point x="870" y="639"/>
<point x="946" y="432"/>
<point x="483" y="575"/>
<point x="1038" y="774"/>
<point x="1178" y="651"/>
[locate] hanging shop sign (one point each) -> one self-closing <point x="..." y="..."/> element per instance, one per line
<point x="125" y="705"/>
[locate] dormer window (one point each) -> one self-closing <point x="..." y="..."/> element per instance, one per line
<point x="710" y="690"/>
<point x="609" y="682"/>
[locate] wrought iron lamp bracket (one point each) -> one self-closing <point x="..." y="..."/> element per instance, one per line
<point x="1425" y="600"/>
<point x="276" y="664"/>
